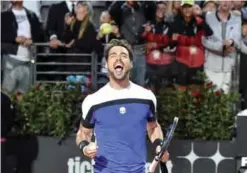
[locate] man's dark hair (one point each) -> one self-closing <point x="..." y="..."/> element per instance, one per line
<point x="117" y="42"/>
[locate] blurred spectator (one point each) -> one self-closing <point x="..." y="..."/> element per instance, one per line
<point x="5" y="5"/>
<point x="20" y="29"/>
<point x="173" y="9"/>
<point x="108" y="29"/>
<point x="209" y="5"/>
<point x="243" y="66"/>
<point x="80" y="37"/>
<point x="130" y="16"/>
<point x="221" y="46"/>
<point x="155" y="35"/>
<point x="7" y="118"/>
<point x="55" y="28"/>
<point x="186" y="35"/>
<point x="55" y="21"/>
<point x="238" y="5"/>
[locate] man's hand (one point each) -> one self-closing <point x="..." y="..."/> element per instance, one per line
<point x="69" y="45"/>
<point x="54" y="43"/>
<point x="20" y="39"/>
<point x="228" y="43"/>
<point x="244" y="30"/>
<point x="229" y="50"/>
<point x="165" y="156"/>
<point x="151" y="45"/>
<point x="115" y="30"/>
<point x="28" y="42"/>
<point x="68" y="18"/>
<point x="175" y="37"/>
<point x="90" y="150"/>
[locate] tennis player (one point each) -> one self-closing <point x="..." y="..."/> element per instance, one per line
<point x="120" y="114"/>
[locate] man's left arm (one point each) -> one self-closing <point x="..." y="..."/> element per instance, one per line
<point x="154" y="129"/>
<point x="156" y="136"/>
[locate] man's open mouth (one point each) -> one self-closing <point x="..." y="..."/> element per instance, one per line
<point x="118" y="68"/>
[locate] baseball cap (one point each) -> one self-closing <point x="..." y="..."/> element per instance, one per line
<point x="188" y="2"/>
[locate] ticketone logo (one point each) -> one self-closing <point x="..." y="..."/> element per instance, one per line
<point x="76" y="166"/>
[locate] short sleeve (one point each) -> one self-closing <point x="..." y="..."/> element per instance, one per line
<point x="87" y="120"/>
<point x="152" y="107"/>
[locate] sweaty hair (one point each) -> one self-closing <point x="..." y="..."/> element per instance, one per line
<point x="117" y="42"/>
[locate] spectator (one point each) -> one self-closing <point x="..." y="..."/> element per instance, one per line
<point x="173" y="9"/>
<point x="243" y="66"/>
<point x="55" y="28"/>
<point x="221" y="46"/>
<point x="20" y="29"/>
<point x="55" y="21"/>
<point x="7" y="118"/>
<point x="130" y="16"/>
<point x="108" y="29"/>
<point x="155" y="35"/>
<point x="80" y="37"/>
<point x="209" y="5"/>
<point x="186" y="35"/>
<point x="238" y="5"/>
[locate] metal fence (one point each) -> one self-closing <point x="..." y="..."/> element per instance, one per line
<point x="37" y="62"/>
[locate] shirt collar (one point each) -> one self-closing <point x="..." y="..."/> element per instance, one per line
<point x="69" y="4"/>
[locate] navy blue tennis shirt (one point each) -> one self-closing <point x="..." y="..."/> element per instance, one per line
<point x="119" y="119"/>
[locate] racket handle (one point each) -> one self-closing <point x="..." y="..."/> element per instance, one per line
<point x="153" y="166"/>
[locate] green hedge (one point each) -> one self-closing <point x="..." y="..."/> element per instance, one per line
<point x="205" y="113"/>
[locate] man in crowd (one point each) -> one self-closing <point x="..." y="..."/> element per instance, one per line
<point x="221" y="47"/>
<point x="20" y="28"/>
<point x="186" y="34"/>
<point x="55" y="29"/>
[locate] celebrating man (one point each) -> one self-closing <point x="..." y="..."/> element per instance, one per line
<point x="120" y="113"/>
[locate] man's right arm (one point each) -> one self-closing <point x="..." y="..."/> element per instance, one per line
<point x="85" y="132"/>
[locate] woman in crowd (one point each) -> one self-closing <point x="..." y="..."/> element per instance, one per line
<point x="155" y="35"/>
<point x="80" y="37"/>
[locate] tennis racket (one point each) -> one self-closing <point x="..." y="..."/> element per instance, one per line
<point x="165" y="145"/>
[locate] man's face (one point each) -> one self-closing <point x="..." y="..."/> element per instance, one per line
<point x="119" y="63"/>
<point x="17" y="2"/>
<point x="210" y="6"/>
<point x="176" y="4"/>
<point x="225" y="5"/>
<point x="238" y="4"/>
<point x="187" y="10"/>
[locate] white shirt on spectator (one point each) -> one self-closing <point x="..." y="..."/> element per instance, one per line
<point x="24" y="29"/>
<point x="69" y="4"/>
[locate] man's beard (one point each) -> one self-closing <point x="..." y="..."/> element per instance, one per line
<point x="124" y="77"/>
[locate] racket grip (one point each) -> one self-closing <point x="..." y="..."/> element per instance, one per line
<point x="153" y="166"/>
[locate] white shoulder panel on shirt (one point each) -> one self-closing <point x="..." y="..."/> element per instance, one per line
<point x="106" y="94"/>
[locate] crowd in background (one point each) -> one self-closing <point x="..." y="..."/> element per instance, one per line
<point x="171" y="40"/>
